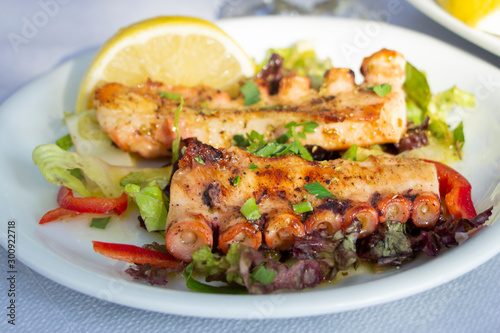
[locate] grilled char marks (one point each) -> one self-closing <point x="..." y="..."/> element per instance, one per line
<point x="195" y="150"/>
<point x="371" y="192"/>
<point x="212" y="195"/>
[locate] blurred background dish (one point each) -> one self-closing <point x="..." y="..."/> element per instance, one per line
<point x="476" y="35"/>
<point x="340" y="8"/>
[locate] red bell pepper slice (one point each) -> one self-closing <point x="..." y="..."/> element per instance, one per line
<point x="56" y="214"/>
<point x="96" y="205"/>
<point x="456" y="191"/>
<point x="135" y="254"/>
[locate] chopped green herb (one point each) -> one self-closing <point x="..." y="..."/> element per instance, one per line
<point x="318" y="190"/>
<point x="253" y="166"/>
<point x="65" y="142"/>
<point x="177" y="141"/>
<point x="199" y="160"/>
<point x="169" y="95"/>
<point x="250" y="92"/>
<point x="258" y="146"/>
<point x="268" y="150"/>
<point x="100" y="222"/>
<point x="236" y="181"/>
<point x="250" y="210"/>
<point x="351" y="153"/>
<point x="303" y="207"/>
<point x="263" y="275"/>
<point x="240" y="141"/>
<point x="381" y="89"/>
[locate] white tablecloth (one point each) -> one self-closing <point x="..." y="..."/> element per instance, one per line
<point x="470" y="303"/>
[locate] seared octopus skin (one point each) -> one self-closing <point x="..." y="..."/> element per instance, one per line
<point x="139" y="120"/>
<point x="205" y="202"/>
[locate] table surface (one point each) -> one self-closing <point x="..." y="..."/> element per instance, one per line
<point x="469" y="303"/>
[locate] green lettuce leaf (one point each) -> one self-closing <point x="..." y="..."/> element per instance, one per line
<point x="142" y="177"/>
<point x="89" y="175"/>
<point x="214" y="264"/>
<point x="422" y="104"/>
<point x="101" y="178"/>
<point x="89" y="138"/>
<point x="152" y="204"/>
<point x="416" y="87"/>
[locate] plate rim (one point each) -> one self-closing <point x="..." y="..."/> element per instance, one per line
<point x="175" y="309"/>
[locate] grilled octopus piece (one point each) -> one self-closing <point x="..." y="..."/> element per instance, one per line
<point x="205" y="203"/>
<point x="139" y="120"/>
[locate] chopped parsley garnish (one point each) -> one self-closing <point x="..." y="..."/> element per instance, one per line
<point x="303" y="207"/>
<point x="250" y="92"/>
<point x="263" y="275"/>
<point x="236" y="181"/>
<point x="381" y="89"/>
<point x="199" y="160"/>
<point x="318" y="190"/>
<point x="240" y="141"/>
<point x="351" y="153"/>
<point x="250" y="210"/>
<point x="65" y="142"/>
<point x="176" y="143"/>
<point x="100" y="222"/>
<point x="256" y="144"/>
<point x="253" y="166"/>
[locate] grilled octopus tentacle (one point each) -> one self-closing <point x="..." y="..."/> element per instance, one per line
<point x="324" y="219"/>
<point x="365" y="214"/>
<point x="282" y="229"/>
<point x="426" y="210"/>
<point x="241" y="231"/>
<point x="394" y="208"/>
<point x="375" y="190"/>
<point x="184" y="238"/>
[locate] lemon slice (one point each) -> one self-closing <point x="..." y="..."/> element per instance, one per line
<point x="172" y="49"/>
<point x="469" y="11"/>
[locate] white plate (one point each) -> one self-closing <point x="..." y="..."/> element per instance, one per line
<point x="63" y="252"/>
<point x="474" y="35"/>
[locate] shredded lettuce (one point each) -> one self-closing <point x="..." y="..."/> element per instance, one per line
<point x="89" y="175"/>
<point x="214" y="264"/>
<point x="144" y="176"/>
<point x="303" y="60"/>
<point x="152" y="204"/>
<point x="89" y="138"/>
<point x="101" y="178"/>
<point x="351" y="153"/>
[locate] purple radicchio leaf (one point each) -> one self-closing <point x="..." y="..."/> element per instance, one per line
<point x="448" y="232"/>
<point x="154" y="275"/>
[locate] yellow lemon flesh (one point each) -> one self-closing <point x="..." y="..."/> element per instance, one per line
<point x="174" y="50"/>
<point x="469" y="11"/>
